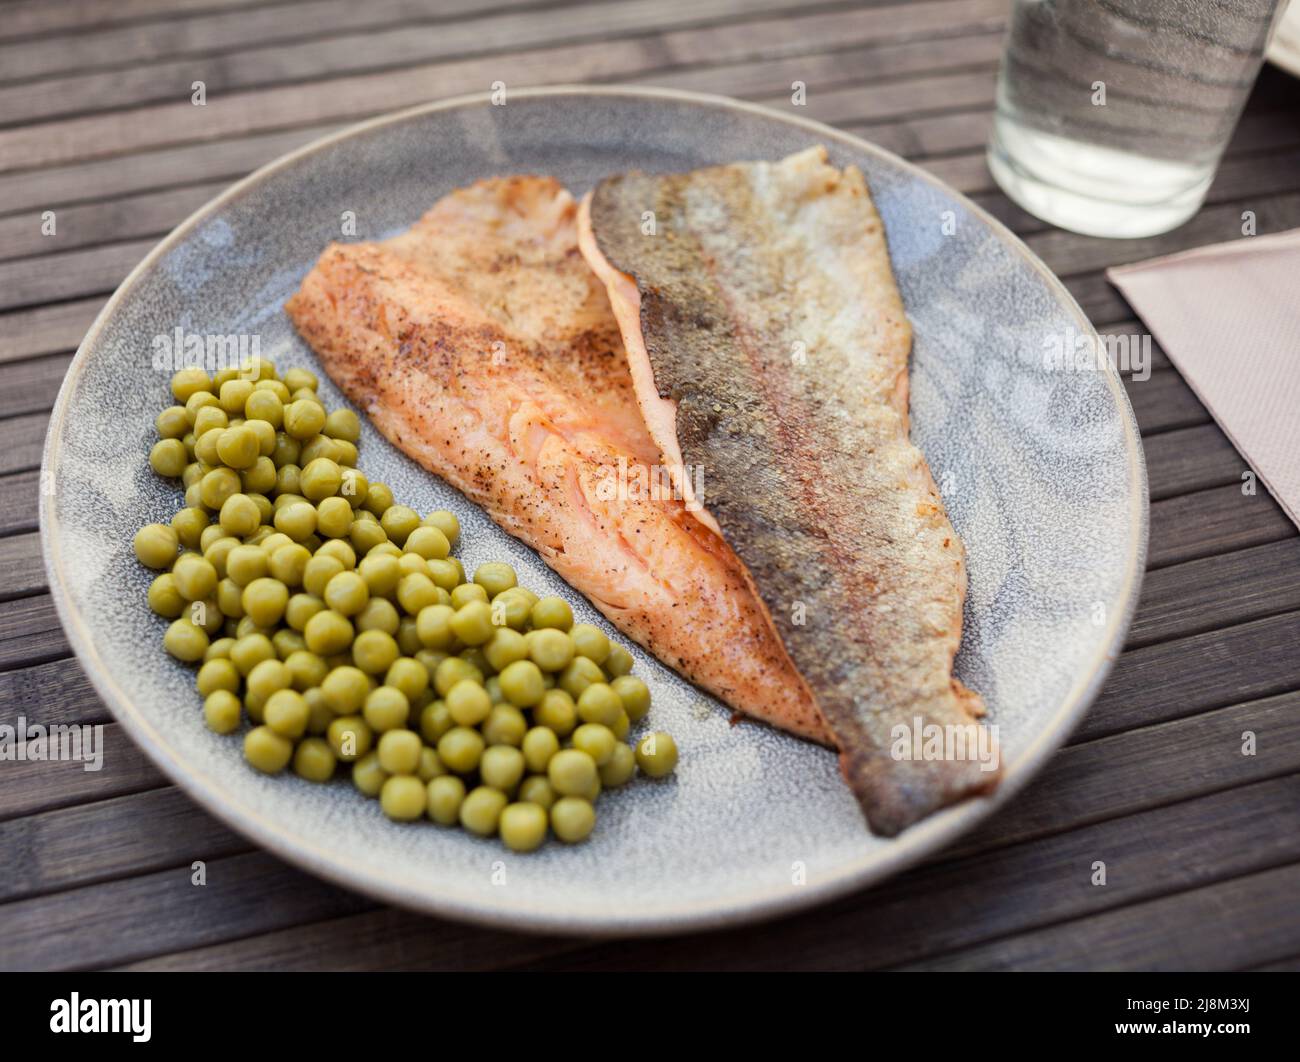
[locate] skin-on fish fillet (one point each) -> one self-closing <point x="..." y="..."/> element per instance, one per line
<point x="482" y="345"/>
<point x="768" y="344"/>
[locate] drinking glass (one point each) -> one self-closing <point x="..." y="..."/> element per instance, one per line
<point x="1112" y="114"/>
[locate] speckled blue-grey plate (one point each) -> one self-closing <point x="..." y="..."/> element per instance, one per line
<point x="1042" y="471"/>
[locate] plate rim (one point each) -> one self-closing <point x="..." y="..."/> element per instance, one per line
<point x="474" y="907"/>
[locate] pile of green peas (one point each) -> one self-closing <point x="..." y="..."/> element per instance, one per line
<point x="341" y="625"/>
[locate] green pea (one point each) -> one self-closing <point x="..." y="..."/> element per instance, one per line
<point x="217" y="674"/>
<point x="556" y="711"/>
<point x="233" y="394"/>
<point x="285" y="712"/>
<point x="187" y="382"/>
<point x="221" y="711"/>
<point x="288" y="563"/>
<point x="251" y="650"/>
<point x="164" y="598"/>
<point x="468" y="702"/>
<point x="300" y="609"/>
<point x="572" y="819"/>
<point x="403" y="798"/>
<point x="334" y="517"/>
<point x="412" y="564"/>
<point x="308" y="669"/>
<point x="156" y="545"/>
<point x="435" y="721"/>
<point x="378" y="615"/>
<point x="416" y="592"/>
<point x="345" y="690"/>
<point x="522" y="684"/>
<point x="539" y="745"/>
<point x="523" y="826"/>
<point x="619" y="768"/>
<point x="287" y="642"/>
<point x="445" y="796"/>
<point x="461" y="749"/>
<point x="379" y="499"/>
<point x="480" y="812"/>
<point x="350" y="737"/>
<point x="634" y="695"/>
<point x="408" y="675"/>
<point x="168" y="457"/>
<point x="266" y="436"/>
<point x="598" y="703"/>
<point x="398" y="522"/>
<point x="172" y="423"/>
<point x="590" y="642"/>
<point x="321" y="479"/>
<point x="386" y="709"/>
<point x="314" y="760"/>
<point x="340" y="551"/>
<point x="195" y="577"/>
<point x="472" y="624"/>
<point x="347" y="593"/>
<point x="466" y="593"/>
<point x="513" y="608"/>
<point x="445" y="522"/>
<point x="220" y="649"/>
<point x="343" y="424"/>
<point x="303" y="419"/>
<point x="198" y="402"/>
<point x="428" y="542"/>
<point x="328" y="632"/>
<point x="258" y="479"/>
<point x="505" y="725"/>
<point x="619" y="662"/>
<point x="429" y="766"/>
<point x="264" y="601"/>
<point x="596" y="741"/>
<point x="355" y="485"/>
<point x="297" y="520"/>
<point x="536" y="789"/>
<point x="318" y="446"/>
<point x="381" y="573"/>
<point x="268" y="677"/>
<point x="505" y="648"/>
<point x="368" y="776"/>
<point x="374" y="651"/>
<point x="210" y="420"/>
<point x="552" y="612"/>
<point x="399" y="751"/>
<point x="218" y="485"/>
<point x="266" y="750"/>
<point x="580" y="674"/>
<point x="297" y="378"/>
<point x="189" y="525"/>
<point x="572" y="772"/>
<point x="495" y="577"/>
<point x="408" y="640"/>
<point x="317" y="573"/>
<point x="238" y="447"/>
<point x="656" y="754"/>
<point x="265" y="405"/>
<point x="288" y="478"/>
<point x="550" y="649"/>
<point x="205" y="448"/>
<point x="366" y="535"/>
<point x="240" y="515"/>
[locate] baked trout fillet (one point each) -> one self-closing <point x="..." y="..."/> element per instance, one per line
<point x="769" y="348"/>
<point x="481" y="345"/>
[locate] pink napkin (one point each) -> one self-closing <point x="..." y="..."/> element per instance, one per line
<point x="1228" y="316"/>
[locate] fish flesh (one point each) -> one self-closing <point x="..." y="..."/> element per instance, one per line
<point x="768" y="345"/>
<point x="481" y="345"/>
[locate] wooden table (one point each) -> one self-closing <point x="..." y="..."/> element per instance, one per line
<point x="1202" y="844"/>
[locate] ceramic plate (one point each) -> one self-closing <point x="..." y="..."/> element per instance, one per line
<point x="1042" y="472"/>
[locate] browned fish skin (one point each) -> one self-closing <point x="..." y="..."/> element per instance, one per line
<point x="808" y="468"/>
<point x="482" y="345"/>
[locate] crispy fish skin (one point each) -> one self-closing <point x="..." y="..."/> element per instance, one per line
<point x="766" y="310"/>
<point x="482" y="345"/>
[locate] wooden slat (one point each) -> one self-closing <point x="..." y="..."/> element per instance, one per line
<point x="31" y="386"/>
<point x="20" y="492"/>
<point x="1179" y="462"/>
<point x="125" y="835"/>
<point x="32" y="17"/>
<point x="1203" y="595"/>
<point x="69" y="274"/>
<point x="33" y="786"/>
<point x="21" y="573"/>
<point x="206" y="34"/>
<point x="404" y="46"/>
<point x="1011" y="890"/>
<point x="118" y="921"/>
<point x="354" y="97"/>
<point x="21" y="441"/>
<point x="1189" y="675"/>
<point x="54" y="692"/>
<point x="30" y="632"/>
<point x="1226" y="925"/>
<point x="46" y="329"/>
<point x="1214" y="521"/>
<point x="1163" y="402"/>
